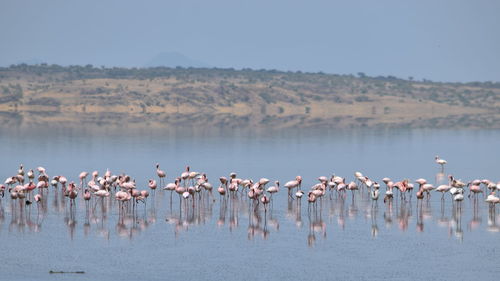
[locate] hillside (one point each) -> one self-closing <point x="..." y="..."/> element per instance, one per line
<point x="51" y="95"/>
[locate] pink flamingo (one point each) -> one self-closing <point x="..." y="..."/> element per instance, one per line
<point x="172" y="186"/>
<point x="443" y="189"/>
<point x="71" y="192"/>
<point x="274" y="189"/>
<point x="352" y="186"/>
<point x="311" y="199"/>
<point x="41" y="170"/>
<point x="474" y="187"/>
<point x="223" y="185"/>
<point x="31" y="175"/>
<point x="421" y="182"/>
<point x="293" y="184"/>
<point x="83" y="178"/>
<point x="122" y="197"/>
<point x="38" y="199"/>
<point x="86" y="197"/>
<point x="441" y="162"/>
<point x="185" y="175"/>
<point x="402" y="186"/>
<point x="143" y="196"/>
<point x="20" y="172"/>
<point x="152" y="185"/>
<point x="420" y="194"/>
<point x="161" y="174"/>
<point x="221" y="190"/>
<point x="264" y="201"/>
<point x="206" y="185"/>
<point x="427" y="188"/>
<point x="29" y="188"/>
<point x="180" y="190"/>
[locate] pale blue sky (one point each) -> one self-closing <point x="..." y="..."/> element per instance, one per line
<point x="447" y="40"/>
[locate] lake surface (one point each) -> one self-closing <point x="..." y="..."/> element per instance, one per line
<point x="226" y="239"/>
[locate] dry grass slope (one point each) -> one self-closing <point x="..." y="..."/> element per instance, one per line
<point x="44" y="95"/>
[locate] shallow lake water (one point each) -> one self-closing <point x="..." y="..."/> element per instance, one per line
<point x="346" y="239"/>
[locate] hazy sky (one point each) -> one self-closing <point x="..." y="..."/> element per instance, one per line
<point x="448" y="40"/>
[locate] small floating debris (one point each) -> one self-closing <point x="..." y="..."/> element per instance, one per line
<point x="69" y="272"/>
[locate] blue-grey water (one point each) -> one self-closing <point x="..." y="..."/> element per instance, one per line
<point x="339" y="239"/>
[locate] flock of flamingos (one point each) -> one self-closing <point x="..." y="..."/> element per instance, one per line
<point x="193" y="188"/>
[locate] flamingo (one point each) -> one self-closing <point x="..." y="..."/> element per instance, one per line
<point x="29" y="187"/>
<point x="427" y="188"/>
<point x="492" y="199"/>
<point x="161" y="174"/>
<point x="83" y="178"/>
<point x="352" y="186"/>
<point x="31" y="174"/>
<point x="21" y="170"/>
<point x="440" y="161"/>
<point x="172" y="186"/>
<point x="293" y="184"/>
<point x="180" y="190"/>
<point x="474" y="187"/>
<point x="152" y="185"/>
<point x="443" y="189"/>
<point x="420" y="195"/>
<point x="299" y="194"/>
<point x="311" y="199"/>
<point x="341" y="186"/>
<point x="274" y="189"/>
<point x="86" y="196"/>
<point x="263" y="182"/>
<point x="41" y="170"/>
<point x="206" y="185"/>
<point x="459" y="197"/>
<point x="374" y="193"/>
<point x="402" y="186"/>
<point x="122" y="197"/>
<point x="358" y="176"/>
<point x="389" y="186"/>
<point x="185" y="175"/>
<point x="420" y="182"/>
<point x="264" y="201"/>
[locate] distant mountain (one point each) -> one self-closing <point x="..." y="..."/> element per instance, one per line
<point x="174" y="59"/>
<point x="30" y="61"/>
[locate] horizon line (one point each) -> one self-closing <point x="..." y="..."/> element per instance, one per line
<point x="359" y="75"/>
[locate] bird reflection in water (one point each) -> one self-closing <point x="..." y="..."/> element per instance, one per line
<point x="403" y="214"/>
<point x="316" y="225"/>
<point x="475" y="221"/>
<point x="456" y="222"/>
<point x="388" y="212"/>
<point x="294" y="212"/>
<point x="492" y="222"/>
<point x="374" y="215"/>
